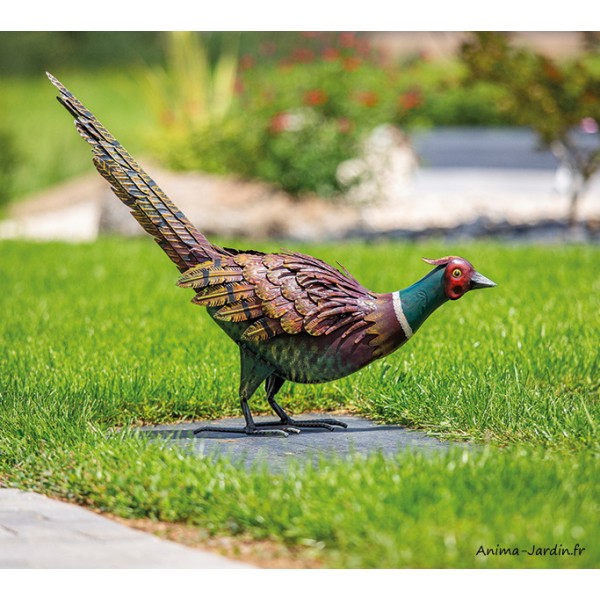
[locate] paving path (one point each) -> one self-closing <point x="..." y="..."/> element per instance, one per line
<point x="37" y="532"/>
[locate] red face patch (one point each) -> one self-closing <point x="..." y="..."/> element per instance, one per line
<point x="457" y="277"/>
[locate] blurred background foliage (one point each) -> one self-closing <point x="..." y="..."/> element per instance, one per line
<point x="297" y="110"/>
<point x="31" y="52"/>
<point x="555" y="99"/>
<point x="286" y="108"/>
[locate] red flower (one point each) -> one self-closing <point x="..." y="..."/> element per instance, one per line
<point x="351" y="63"/>
<point x="344" y="124"/>
<point x="410" y="99"/>
<point x="363" y="47"/>
<point x="247" y="61"/>
<point x="347" y="39"/>
<point x="315" y="97"/>
<point x="303" y="55"/>
<point x="368" y="99"/>
<point x="550" y="70"/>
<point x="279" y="122"/>
<point x="330" y="54"/>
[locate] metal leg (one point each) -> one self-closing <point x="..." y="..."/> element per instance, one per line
<point x="273" y="385"/>
<point x="251" y="427"/>
<point x="253" y="372"/>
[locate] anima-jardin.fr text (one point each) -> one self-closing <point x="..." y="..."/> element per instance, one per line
<point x="556" y="550"/>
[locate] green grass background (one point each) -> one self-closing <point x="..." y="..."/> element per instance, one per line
<point x="97" y="338"/>
<point x="47" y="149"/>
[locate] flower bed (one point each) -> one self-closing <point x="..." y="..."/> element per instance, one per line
<point x="299" y="115"/>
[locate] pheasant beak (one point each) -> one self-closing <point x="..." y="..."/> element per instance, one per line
<point x="480" y="281"/>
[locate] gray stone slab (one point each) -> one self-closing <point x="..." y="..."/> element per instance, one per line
<point x="38" y="532"/>
<point x="139" y="554"/>
<point x="362" y="437"/>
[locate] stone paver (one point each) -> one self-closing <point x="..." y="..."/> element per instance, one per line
<point x="362" y="437"/>
<point x="38" y="532"/>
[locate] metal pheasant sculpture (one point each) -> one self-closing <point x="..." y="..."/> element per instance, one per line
<point x="293" y="317"/>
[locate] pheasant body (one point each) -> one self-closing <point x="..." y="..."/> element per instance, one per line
<point x="317" y="359"/>
<point x="293" y="316"/>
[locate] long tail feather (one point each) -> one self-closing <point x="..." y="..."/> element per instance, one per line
<point x="151" y="207"/>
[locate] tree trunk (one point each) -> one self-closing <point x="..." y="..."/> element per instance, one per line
<point x="573" y="206"/>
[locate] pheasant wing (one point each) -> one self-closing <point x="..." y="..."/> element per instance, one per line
<point x="287" y="293"/>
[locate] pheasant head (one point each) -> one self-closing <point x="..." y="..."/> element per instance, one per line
<point x="451" y="279"/>
<point x="459" y="276"/>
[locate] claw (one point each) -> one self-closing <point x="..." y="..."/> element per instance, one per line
<point x="289" y="423"/>
<point x="270" y="432"/>
<point x="319" y="424"/>
<point x="283" y="432"/>
<point x="330" y="424"/>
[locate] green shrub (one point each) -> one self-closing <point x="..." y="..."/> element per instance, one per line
<point x="455" y="105"/>
<point x="299" y="160"/>
<point x="555" y="99"/>
<point x="324" y="145"/>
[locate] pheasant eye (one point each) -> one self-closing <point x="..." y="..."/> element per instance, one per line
<point x="456" y="273"/>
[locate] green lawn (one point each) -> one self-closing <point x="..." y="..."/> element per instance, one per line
<point x="95" y="337"/>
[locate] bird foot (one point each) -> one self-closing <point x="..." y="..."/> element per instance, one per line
<point x="329" y="424"/>
<point x="261" y="429"/>
<point x="280" y="428"/>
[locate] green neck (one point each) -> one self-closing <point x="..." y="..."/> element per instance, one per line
<point x="423" y="297"/>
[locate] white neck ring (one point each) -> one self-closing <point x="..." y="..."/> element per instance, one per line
<point x="400" y="315"/>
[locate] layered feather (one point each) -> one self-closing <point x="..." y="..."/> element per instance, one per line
<point x="151" y="207"/>
<point x="286" y="293"/>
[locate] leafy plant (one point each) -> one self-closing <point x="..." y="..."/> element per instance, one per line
<point x="273" y="82"/>
<point x="189" y="91"/>
<point x="555" y="99"/>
